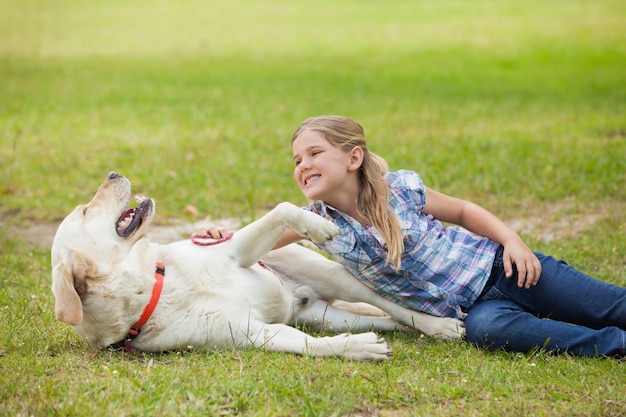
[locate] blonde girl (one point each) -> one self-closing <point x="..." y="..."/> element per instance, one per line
<point x="477" y="269"/>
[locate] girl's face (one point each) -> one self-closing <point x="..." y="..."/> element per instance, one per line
<point x="323" y="171"/>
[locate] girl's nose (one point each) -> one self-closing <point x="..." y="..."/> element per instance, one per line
<point x="304" y="164"/>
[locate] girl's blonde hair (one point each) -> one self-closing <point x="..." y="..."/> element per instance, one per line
<point x="373" y="199"/>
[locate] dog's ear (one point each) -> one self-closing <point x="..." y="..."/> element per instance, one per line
<point x="68" y="306"/>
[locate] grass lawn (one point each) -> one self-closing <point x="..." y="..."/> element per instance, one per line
<point x="520" y="107"/>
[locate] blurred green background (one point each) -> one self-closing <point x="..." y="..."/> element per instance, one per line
<point x="195" y="101"/>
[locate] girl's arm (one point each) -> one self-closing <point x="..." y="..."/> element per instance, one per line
<point x="289" y="236"/>
<point x="480" y="221"/>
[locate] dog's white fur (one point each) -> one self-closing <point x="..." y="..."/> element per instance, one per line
<point x="215" y="296"/>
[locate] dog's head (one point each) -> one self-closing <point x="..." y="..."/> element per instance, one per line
<point x="93" y="259"/>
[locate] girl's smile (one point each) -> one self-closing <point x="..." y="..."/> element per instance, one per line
<point x="311" y="179"/>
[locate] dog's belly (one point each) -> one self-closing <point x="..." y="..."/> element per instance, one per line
<point x="260" y="292"/>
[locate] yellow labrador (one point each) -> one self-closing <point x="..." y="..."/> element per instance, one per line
<point x="112" y="284"/>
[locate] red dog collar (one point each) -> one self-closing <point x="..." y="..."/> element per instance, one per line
<point x="134" y="330"/>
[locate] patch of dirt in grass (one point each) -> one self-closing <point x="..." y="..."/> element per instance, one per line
<point x="561" y="220"/>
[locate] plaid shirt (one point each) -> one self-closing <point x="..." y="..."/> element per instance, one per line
<point x="444" y="269"/>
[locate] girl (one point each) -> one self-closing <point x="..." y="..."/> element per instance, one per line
<point x="392" y="240"/>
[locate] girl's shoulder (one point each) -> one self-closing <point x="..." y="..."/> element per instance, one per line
<point x="404" y="179"/>
<point x="407" y="191"/>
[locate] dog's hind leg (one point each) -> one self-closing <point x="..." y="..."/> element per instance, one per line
<point x="322" y="316"/>
<point x="331" y="281"/>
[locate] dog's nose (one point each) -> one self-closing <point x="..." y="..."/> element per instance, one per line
<point x="112" y="175"/>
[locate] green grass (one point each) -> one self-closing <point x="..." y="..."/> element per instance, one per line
<point x="520" y="107"/>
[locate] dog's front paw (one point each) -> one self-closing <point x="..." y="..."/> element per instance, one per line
<point x="325" y="232"/>
<point x="366" y="347"/>
<point x="316" y="228"/>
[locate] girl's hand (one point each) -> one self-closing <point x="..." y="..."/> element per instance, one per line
<point x="528" y="266"/>
<point x="216" y="232"/>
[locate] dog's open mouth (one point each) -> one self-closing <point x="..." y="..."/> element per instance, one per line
<point x="132" y="218"/>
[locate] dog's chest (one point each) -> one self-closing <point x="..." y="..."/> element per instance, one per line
<point x="213" y="278"/>
<point x="215" y="272"/>
<point x="256" y="290"/>
<point x="257" y="284"/>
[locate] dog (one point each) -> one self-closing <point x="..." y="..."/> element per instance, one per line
<point x="113" y="285"/>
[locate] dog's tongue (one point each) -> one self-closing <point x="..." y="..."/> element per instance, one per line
<point x="133" y="217"/>
<point x="125" y="220"/>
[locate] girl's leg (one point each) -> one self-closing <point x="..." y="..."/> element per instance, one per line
<point x="503" y="324"/>
<point x="566" y="294"/>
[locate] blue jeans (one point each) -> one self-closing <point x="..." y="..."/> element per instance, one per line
<point x="567" y="311"/>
